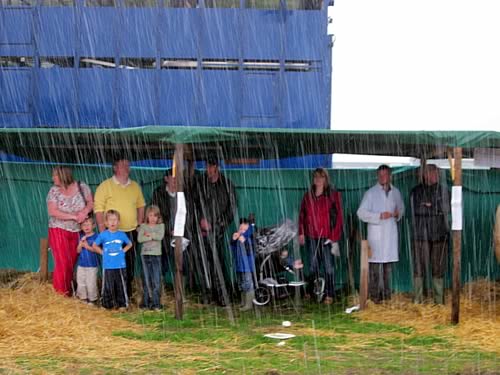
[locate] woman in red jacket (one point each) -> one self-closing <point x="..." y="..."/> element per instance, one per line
<point x="320" y="229"/>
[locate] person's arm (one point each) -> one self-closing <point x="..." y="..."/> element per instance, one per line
<point x="140" y="215"/>
<point x="226" y="217"/>
<point x="142" y="236"/>
<point x="57" y="214"/>
<point x="400" y="207"/>
<point x="99" y="218"/>
<point x="99" y="207"/>
<point x="81" y="245"/>
<point x="365" y="212"/>
<point x="141" y="203"/>
<point x="302" y="220"/>
<point x="336" y="232"/>
<point x="87" y="193"/>
<point x="158" y="233"/>
<point x="97" y="248"/>
<point x="127" y="247"/>
<point x="128" y="243"/>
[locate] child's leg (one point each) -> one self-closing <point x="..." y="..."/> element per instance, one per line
<point x="155" y="280"/>
<point x="146" y="282"/>
<point x="92" y="284"/>
<point x="121" y="296"/>
<point x="107" y="289"/>
<point x="81" y="281"/>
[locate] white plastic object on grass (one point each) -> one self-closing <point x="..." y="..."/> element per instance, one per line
<point x="286" y="323"/>
<point x="280" y="336"/>
<point x="352" y="309"/>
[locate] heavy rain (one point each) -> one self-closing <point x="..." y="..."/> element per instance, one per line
<point x="170" y="203"/>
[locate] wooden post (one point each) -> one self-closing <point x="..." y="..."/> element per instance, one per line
<point x="363" y="282"/>
<point x="44" y="259"/>
<point x="457" y="244"/>
<point x="178" y="172"/>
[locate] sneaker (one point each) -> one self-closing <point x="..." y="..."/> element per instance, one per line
<point x="92" y="303"/>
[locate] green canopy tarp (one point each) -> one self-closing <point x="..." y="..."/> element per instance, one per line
<point x="158" y="142"/>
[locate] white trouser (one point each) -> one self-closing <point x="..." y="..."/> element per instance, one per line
<point x="86" y="279"/>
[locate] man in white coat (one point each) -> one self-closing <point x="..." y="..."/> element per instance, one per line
<point x="381" y="208"/>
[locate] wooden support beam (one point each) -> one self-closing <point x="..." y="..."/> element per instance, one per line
<point x="178" y="172"/>
<point x="44" y="259"/>
<point x="457" y="244"/>
<point x="363" y="283"/>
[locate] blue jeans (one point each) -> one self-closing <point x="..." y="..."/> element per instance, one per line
<point x="151" y="280"/>
<point x="320" y="264"/>
<point x="245" y="281"/>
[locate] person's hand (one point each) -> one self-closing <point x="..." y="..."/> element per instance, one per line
<point x="385" y="215"/>
<point x="236" y="235"/>
<point x="81" y="216"/>
<point x="204" y="225"/>
<point x="147" y="234"/>
<point x="396" y="213"/>
<point x="242" y="239"/>
<point x="297" y="264"/>
<point x="335" y="249"/>
<point x="302" y="240"/>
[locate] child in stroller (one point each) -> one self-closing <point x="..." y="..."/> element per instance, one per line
<point x="274" y="264"/>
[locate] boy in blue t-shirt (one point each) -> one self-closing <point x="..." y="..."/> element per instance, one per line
<point x="115" y="244"/>
<point x="86" y="272"/>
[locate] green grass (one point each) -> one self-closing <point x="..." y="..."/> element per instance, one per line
<point x="327" y="341"/>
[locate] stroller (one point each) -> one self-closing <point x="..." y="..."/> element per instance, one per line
<point x="272" y="260"/>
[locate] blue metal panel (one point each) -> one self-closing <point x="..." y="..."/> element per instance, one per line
<point x="15" y="26"/>
<point x="260" y="100"/>
<point x="95" y="93"/>
<point x="97" y="36"/>
<point x="56" y="35"/>
<point x="17" y="50"/>
<point x="138" y="32"/>
<point x="220" y="33"/>
<point x="16" y="120"/>
<point x="15" y="89"/>
<point x="137" y="98"/>
<point x="263" y="34"/>
<point x="56" y="101"/>
<point x="178" y="97"/>
<point x="219" y="98"/>
<point x="305" y="32"/>
<point x="304" y="104"/>
<point x="178" y="32"/>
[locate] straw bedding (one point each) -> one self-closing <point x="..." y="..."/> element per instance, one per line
<point x="479" y="325"/>
<point x="35" y="322"/>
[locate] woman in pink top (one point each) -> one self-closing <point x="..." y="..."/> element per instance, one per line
<point x="69" y="202"/>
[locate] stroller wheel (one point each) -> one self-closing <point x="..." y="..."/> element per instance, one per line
<point x="262" y="296"/>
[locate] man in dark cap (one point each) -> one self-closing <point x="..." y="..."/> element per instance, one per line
<point x="215" y="205"/>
